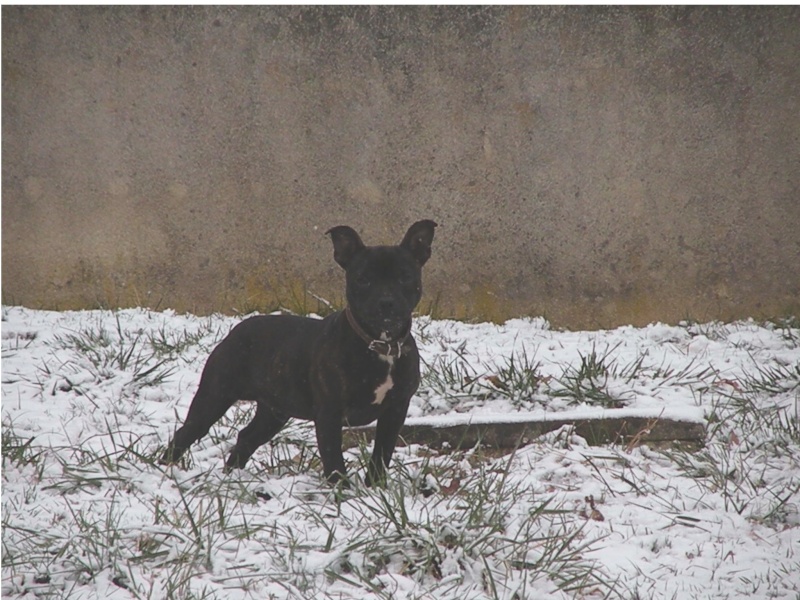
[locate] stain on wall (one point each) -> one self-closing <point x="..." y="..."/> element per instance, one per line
<point x="596" y="165"/>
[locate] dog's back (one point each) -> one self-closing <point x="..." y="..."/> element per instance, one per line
<point x="266" y="358"/>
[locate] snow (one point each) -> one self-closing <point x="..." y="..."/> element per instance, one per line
<point x="96" y="394"/>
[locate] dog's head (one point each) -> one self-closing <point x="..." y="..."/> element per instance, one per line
<point x="384" y="283"/>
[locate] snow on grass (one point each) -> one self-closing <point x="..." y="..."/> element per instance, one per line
<point x="90" y="398"/>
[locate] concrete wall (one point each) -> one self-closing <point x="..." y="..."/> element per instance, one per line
<point x="599" y="166"/>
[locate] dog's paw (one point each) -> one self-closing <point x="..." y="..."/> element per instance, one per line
<point x="171" y="456"/>
<point x="339" y="480"/>
<point x="375" y="478"/>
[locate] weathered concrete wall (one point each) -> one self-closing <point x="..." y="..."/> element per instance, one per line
<point x="598" y="166"/>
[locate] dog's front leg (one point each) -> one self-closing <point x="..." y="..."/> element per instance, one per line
<point x="328" y="424"/>
<point x="386" y="433"/>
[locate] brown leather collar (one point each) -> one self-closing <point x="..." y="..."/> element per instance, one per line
<point x="394" y="349"/>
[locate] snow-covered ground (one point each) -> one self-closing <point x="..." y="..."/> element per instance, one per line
<point x="90" y="398"/>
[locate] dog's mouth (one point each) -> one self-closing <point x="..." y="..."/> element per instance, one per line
<point x="391" y="329"/>
<point x="389" y="332"/>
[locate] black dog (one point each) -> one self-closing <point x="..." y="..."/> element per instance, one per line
<point x="352" y="367"/>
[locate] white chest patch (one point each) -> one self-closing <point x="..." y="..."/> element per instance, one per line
<point x="383" y="388"/>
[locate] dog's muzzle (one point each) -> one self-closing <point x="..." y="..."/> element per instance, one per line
<point x="394" y="349"/>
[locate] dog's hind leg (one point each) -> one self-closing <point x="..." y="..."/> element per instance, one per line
<point x="265" y="424"/>
<point x="206" y="409"/>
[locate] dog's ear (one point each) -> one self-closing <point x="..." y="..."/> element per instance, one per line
<point x="346" y="244"/>
<point x="418" y="240"/>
